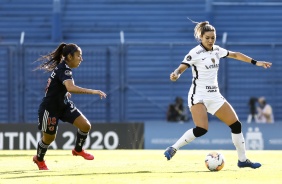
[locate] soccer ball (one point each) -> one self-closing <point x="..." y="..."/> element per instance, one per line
<point x="214" y="161"/>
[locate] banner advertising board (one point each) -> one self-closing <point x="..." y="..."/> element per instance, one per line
<point x="160" y="135"/>
<point x="150" y="135"/>
<point x="102" y="136"/>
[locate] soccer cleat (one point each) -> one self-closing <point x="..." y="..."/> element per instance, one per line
<point x="84" y="154"/>
<point x="170" y="152"/>
<point x="41" y="164"/>
<point x="248" y="163"/>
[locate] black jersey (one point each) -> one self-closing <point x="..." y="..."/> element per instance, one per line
<point x="55" y="92"/>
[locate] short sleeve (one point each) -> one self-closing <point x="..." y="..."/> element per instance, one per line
<point x="189" y="59"/>
<point x="223" y="52"/>
<point x="64" y="74"/>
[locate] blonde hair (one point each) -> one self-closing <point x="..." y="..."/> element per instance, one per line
<point x="201" y="28"/>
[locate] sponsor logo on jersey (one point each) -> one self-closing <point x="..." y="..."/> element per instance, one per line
<point x="211" y="89"/>
<point x="201" y="51"/>
<point x="213" y="65"/>
<point x="214" y="49"/>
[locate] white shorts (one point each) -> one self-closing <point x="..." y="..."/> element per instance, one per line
<point x="212" y="103"/>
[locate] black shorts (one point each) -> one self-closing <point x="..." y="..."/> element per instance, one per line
<point x="48" y="119"/>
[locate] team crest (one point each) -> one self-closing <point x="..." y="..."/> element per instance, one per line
<point x="188" y="58"/>
<point x="213" y="65"/>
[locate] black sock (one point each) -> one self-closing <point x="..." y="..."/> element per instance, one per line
<point x="80" y="139"/>
<point x="41" y="150"/>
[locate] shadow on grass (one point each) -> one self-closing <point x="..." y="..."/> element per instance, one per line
<point x="22" y="155"/>
<point x="30" y="155"/>
<point x="48" y="173"/>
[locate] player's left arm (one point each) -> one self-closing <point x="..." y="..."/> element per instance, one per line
<point x="72" y="88"/>
<point x="247" y="59"/>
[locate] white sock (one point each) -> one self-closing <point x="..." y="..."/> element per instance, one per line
<point x="186" y="138"/>
<point x="239" y="142"/>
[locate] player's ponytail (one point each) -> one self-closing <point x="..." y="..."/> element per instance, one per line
<point x="201" y="28"/>
<point x="51" y="60"/>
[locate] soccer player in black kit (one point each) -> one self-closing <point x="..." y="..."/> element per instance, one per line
<point x="56" y="104"/>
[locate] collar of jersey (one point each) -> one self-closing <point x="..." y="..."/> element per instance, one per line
<point x="205" y="47"/>
<point x="64" y="62"/>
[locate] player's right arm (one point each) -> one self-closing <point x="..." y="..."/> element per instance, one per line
<point x="178" y="71"/>
<point x="188" y="61"/>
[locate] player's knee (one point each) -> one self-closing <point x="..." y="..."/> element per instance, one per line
<point x="82" y="124"/>
<point x="236" y="127"/>
<point x="86" y="127"/>
<point x="48" y="139"/>
<point x="89" y="127"/>
<point x="198" y="131"/>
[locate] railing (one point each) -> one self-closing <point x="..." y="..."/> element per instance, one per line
<point x="135" y="77"/>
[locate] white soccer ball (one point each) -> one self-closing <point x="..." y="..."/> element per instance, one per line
<point x="214" y="161"/>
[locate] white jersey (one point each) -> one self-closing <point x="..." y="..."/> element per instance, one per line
<point x="204" y="65"/>
<point x="204" y="88"/>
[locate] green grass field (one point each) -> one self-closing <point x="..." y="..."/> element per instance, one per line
<point x="136" y="166"/>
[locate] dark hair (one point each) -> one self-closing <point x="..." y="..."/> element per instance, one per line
<point x="201" y="28"/>
<point x="51" y="60"/>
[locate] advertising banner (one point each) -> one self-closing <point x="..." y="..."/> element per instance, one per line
<point x="102" y="136"/>
<point x="160" y="135"/>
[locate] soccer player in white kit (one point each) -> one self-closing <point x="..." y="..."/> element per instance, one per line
<point x="204" y="96"/>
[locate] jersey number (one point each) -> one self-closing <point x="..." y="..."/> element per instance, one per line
<point x="53" y="74"/>
<point x="49" y="81"/>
